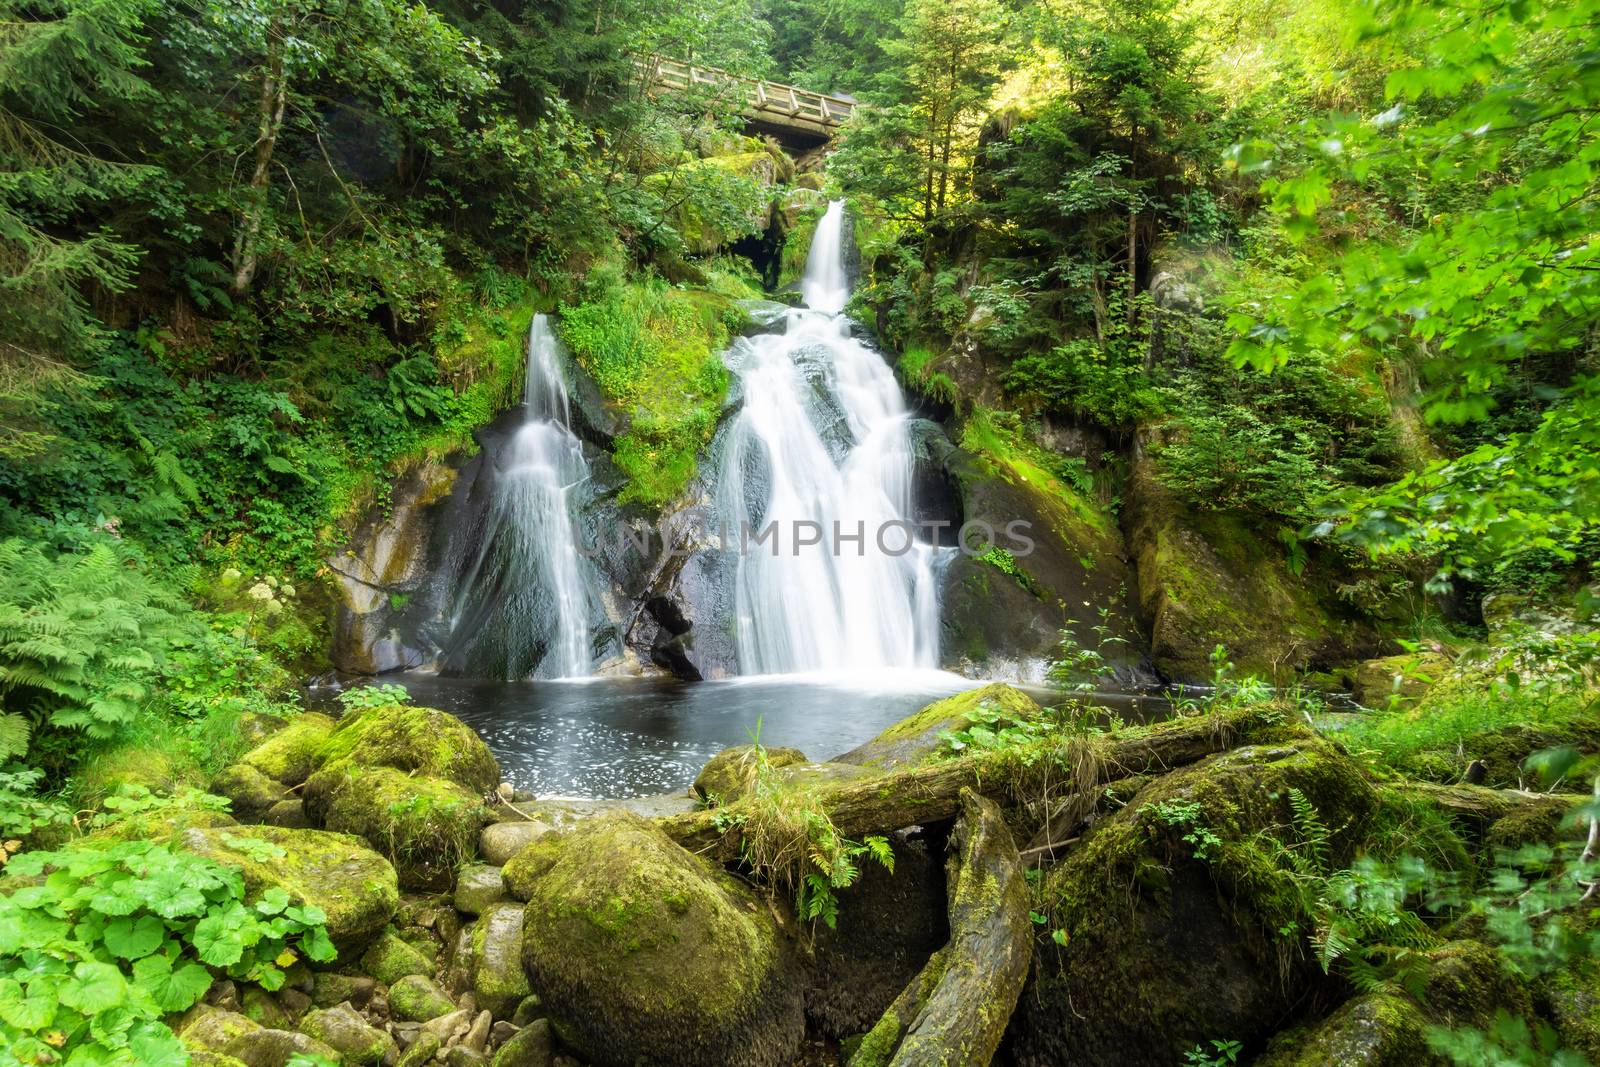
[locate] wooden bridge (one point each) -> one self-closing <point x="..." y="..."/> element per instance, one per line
<point x="794" y="116"/>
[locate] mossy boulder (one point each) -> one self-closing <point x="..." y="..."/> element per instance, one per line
<point x="1212" y="578"/>
<point x="425" y="825"/>
<point x="1401" y="680"/>
<point x="644" y="953"/>
<point x="354" y="886"/>
<point x="1378" y="1030"/>
<point x="523" y="871"/>
<point x="1186" y="890"/>
<point x="206" y="1027"/>
<point x="348" y="1034"/>
<point x="249" y="791"/>
<point x="423" y="742"/>
<point x="730" y="773"/>
<point x="916" y="737"/>
<point x="417" y="998"/>
<point x="392" y="958"/>
<point x="290" y="754"/>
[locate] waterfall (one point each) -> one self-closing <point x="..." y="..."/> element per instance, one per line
<point x="822" y="438"/>
<point x="525" y="606"/>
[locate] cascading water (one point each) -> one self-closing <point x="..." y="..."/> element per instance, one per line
<point x="823" y="438"/>
<point x="525" y="606"/>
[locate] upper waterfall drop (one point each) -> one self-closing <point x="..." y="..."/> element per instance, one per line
<point x="822" y="442"/>
<point x="825" y="286"/>
<point x="526" y="602"/>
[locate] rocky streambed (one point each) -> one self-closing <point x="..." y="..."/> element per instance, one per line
<point x="1106" y="898"/>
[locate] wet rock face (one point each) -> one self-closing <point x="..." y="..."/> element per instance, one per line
<point x="386" y="565"/>
<point x="642" y="952"/>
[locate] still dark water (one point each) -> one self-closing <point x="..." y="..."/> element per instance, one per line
<point x="615" y="738"/>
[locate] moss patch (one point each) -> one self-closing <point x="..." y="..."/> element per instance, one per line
<point x="1187" y="889"/>
<point x="290" y="754"/>
<point x="426" y="826"/>
<point x="422" y="741"/>
<point x="654" y="352"/>
<point x="916" y="737"/>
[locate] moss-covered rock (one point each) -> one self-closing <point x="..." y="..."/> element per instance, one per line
<point x="424" y="742"/>
<point x="1212" y="578"/>
<point x="392" y="958"/>
<point x="1379" y="1030"/>
<point x="532" y="1046"/>
<point x="290" y="754"/>
<point x="916" y="737"/>
<point x="498" y="980"/>
<point x="249" y="791"/>
<point x="206" y="1027"/>
<point x="1571" y="999"/>
<point x="478" y="885"/>
<point x="329" y="989"/>
<point x="275" y="1048"/>
<point x="1187" y="890"/>
<point x="642" y="952"/>
<point x="348" y="1034"/>
<point x="1401" y="680"/>
<point x="523" y="871"/>
<point x="425" y="825"/>
<point x="502" y="840"/>
<point x="156" y="769"/>
<point x="354" y="886"/>
<point x="730" y="773"/>
<point x="417" y="998"/>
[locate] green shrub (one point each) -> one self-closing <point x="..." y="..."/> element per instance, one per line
<point x="100" y="942"/>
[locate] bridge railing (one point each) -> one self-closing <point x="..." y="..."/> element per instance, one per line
<point x="762" y="98"/>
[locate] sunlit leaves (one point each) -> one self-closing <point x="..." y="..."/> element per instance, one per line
<point x="120" y="934"/>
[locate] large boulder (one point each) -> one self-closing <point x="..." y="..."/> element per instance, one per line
<point x="353" y="885"/>
<point x="411" y="781"/>
<point x="420" y="741"/>
<point x="1212" y="578"/>
<point x="1401" y="679"/>
<point x="916" y="737"/>
<point x="289" y="755"/>
<point x="645" y="954"/>
<point x="1185" y="892"/>
<point x="426" y="826"/>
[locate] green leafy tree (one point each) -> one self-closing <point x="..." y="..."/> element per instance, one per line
<point x="1498" y="273"/>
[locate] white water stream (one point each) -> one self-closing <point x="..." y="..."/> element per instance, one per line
<point x="821" y="446"/>
<point x="530" y="559"/>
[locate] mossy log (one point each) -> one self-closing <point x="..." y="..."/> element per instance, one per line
<point x="1483" y="805"/>
<point x="956" y="1010"/>
<point x="931" y="792"/>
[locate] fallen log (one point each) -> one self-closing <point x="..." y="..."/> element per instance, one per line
<point x="930" y="792"/>
<point x="957" y="1008"/>
<point x="1483" y="805"/>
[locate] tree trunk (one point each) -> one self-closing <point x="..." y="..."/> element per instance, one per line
<point x="1482" y="805"/>
<point x="957" y="1008"/>
<point x="274" y="98"/>
<point x="930" y="792"/>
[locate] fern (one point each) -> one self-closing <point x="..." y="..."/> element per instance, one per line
<point x="1314" y="833"/>
<point x="81" y="636"/>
